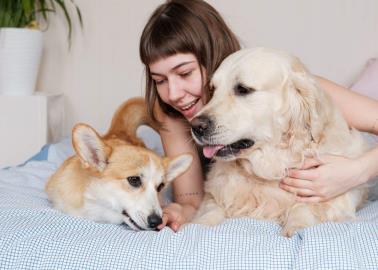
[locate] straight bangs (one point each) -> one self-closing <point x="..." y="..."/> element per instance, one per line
<point x="166" y="39"/>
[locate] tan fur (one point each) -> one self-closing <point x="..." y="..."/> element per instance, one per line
<point x="94" y="183"/>
<point x="289" y="117"/>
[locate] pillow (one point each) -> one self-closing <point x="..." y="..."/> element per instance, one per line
<point x="367" y="83"/>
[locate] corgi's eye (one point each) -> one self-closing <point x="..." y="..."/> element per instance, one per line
<point x="160" y="187"/>
<point x="134" y="181"/>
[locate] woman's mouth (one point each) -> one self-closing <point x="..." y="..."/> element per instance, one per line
<point x="190" y="109"/>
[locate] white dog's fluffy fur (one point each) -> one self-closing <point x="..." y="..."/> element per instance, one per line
<point x="267" y="97"/>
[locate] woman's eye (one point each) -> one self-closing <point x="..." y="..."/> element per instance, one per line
<point x="134" y="181"/>
<point x="186" y="74"/>
<point x="159" y="82"/>
<point x="160" y="187"/>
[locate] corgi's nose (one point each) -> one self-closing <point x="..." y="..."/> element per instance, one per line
<point x="154" y="221"/>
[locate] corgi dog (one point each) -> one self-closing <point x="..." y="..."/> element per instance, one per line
<point x="114" y="178"/>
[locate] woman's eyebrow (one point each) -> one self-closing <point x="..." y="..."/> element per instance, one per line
<point x="174" y="68"/>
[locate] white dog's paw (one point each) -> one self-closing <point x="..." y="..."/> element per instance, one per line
<point x="210" y="218"/>
<point x="203" y="220"/>
<point x="289" y="231"/>
<point x="209" y="213"/>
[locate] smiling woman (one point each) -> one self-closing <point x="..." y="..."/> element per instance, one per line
<point x="179" y="83"/>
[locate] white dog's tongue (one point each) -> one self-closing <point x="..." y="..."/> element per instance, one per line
<point x="210" y="150"/>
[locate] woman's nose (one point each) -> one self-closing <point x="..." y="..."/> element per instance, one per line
<point x="176" y="90"/>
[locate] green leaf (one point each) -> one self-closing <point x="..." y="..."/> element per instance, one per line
<point x="43" y="9"/>
<point x="28" y="6"/>
<point x="20" y="13"/>
<point x="68" y="19"/>
<point x="78" y="13"/>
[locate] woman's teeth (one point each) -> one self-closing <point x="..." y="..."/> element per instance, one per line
<point x="187" y="107"/>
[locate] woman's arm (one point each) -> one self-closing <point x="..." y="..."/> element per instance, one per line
<point x="359" y="111"/>
<point x="188" y="188"/>
<point x="176" y="139"/>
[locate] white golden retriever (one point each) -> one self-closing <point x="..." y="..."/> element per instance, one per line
<point x="267" y="114"/>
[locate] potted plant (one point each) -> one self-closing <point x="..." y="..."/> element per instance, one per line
<point x="21" y="40"/>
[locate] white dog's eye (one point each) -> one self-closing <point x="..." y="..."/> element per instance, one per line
<point x="241" y="90"/>
<point x="134" y="181"/>
<point x="211" y="90"/>
<point x="160" y="187"/>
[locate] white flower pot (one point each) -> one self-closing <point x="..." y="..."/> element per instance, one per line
<point x="20" y="55"/>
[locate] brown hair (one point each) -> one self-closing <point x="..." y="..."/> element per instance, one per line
<point x="184" y="26"/>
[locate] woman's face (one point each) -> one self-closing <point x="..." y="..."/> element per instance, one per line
<point x="178" y="82"/>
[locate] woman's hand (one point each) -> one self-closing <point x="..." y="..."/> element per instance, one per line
<point x="319" y="181"/>
<point x="175" y="215"/>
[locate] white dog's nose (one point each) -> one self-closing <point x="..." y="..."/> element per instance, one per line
<point x="200" y="125"/>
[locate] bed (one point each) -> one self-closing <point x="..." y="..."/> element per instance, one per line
<point x="35" y="236"/>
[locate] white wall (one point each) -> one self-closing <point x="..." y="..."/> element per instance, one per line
<point x="102" y="68"/>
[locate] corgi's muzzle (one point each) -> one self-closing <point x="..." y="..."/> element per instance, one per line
<point x="153" y="221"/>
<point x="124" y="212"/>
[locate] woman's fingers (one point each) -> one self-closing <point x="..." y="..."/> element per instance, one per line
<point x="171" y="217"/>
<point x="298" y="191"/>
<point x="310" y="163"/>
<point x="298" y="183"/>
<point x="174" y="226"/>
<point x="163" y="223"/>
<point x="305" y="174"/>
<point x="311" y="199"/>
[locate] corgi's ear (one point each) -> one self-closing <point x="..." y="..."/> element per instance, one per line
<point x="177" y="166"/>
<point x="89" y="147"/>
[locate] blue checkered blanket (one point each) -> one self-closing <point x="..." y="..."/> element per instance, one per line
<point x="35" y="236"/>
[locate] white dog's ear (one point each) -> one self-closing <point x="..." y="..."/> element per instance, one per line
<point x="306" y="103"/>
<point x="177" y="166"/>
<point x="89" y="147"/>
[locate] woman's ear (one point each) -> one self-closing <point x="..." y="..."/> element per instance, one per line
<point x="89" y="147"/>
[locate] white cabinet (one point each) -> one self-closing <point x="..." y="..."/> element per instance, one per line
<point x="27" y="123"/>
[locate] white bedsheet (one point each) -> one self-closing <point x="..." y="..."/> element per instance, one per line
<point x="35" y="236"/>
